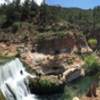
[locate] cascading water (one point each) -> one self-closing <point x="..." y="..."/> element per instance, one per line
<point x="13" y="81"/>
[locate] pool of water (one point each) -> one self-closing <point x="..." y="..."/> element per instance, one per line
<point x="76" y="88"/>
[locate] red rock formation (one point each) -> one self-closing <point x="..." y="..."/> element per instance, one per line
<point x="65" y="44"/>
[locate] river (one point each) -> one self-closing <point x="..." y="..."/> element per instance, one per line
<point x="14" y="84"/>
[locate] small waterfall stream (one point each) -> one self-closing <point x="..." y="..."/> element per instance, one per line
<point x="14" y="82"/>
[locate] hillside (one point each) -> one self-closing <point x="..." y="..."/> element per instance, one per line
<point x="29" y="20"/>
<point x="49" y="50"/>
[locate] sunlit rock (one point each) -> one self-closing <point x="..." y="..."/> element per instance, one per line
<point x="76" y="98"/>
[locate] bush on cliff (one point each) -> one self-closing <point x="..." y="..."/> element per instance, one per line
<point x="92" y="42"/>
<point x="46" y="85"/>
<point x="92" y="63"/>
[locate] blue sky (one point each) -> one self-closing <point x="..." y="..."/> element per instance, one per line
<point x="85" y="4"/>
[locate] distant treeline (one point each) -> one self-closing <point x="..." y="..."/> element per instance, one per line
<point x="88" y="20"/>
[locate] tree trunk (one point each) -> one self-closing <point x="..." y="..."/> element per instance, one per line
<point x="92" y="90"/>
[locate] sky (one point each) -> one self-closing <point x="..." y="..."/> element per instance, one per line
<point x="38" y="2"/>
<point x="85" y="4"/>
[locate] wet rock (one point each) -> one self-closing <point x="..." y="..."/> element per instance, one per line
<point x="2" y="96"/>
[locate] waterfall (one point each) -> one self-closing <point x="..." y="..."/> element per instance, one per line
<point x="13" y="81"/>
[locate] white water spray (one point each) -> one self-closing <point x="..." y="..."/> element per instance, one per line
<point x="13" y="81"/>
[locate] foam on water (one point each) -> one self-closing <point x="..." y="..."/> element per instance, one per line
<point x="14" y="82"/>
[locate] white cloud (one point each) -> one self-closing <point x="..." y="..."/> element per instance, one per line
<point x="2" y="1"/>
<point x="38" y="2"/>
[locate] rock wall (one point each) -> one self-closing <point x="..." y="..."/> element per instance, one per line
<point x="57" y="44"/>
<point x="65" y="44"/>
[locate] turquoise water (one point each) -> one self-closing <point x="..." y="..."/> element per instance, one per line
<point x="76" y="88"/>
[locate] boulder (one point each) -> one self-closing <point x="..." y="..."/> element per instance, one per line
<point x="75" y="98"/>
<point x="73" y="73"/>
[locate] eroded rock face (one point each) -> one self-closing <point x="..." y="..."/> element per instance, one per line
<point x="67" y="67"/>
<point x="65" y="44"/>
<point x="53" y="68"/>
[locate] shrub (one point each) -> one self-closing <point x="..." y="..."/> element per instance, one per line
<point x="61" y="34"/>
<point x="2" y="19"/>
<point x="92" y="42"/>
<point x="46" y="85"/>
<point x="16" y="26"/>
<point x="92" y="63"/>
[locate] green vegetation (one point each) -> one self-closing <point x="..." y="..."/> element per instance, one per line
<point x="92" y="42"/>
<point x="47" y="22"/>
<point x="92" y="63"/>
<point x="77" y="88"/>
<point x="51" y="35"/>
<point x="46" y="85"/>
<point x="47" y="18"/>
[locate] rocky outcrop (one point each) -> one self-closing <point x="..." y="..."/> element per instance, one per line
<point x="53" y="67"/>
<point x="86" y="50"/>
<point x="68" y="67"/>
<point x="8" y="50"/>
<point x="52" y="71"/>
<point x="73" y="73"/>
<point x="55" y="43"/>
